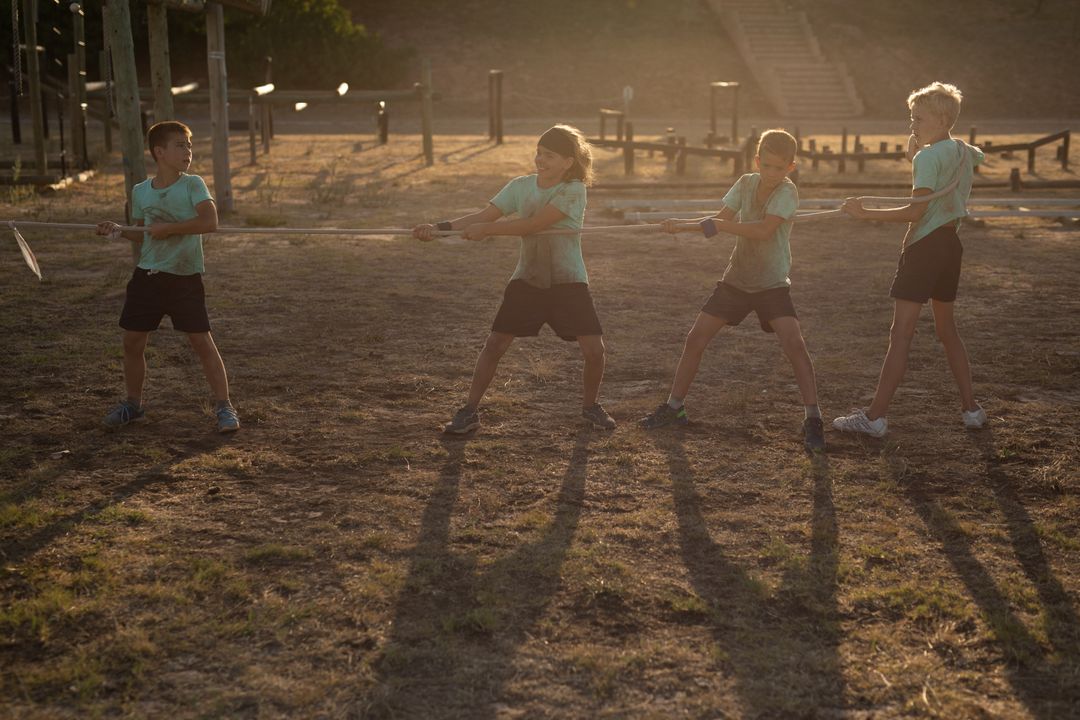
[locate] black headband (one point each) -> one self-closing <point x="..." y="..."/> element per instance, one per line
<point x="560" y="141"/>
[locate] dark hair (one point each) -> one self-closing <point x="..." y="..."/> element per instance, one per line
<point x="159" y="133"/>
<point x="779" y="143"/>
<point x="569" y="138"/>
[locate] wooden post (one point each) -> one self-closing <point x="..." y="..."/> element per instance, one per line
<point x="219" y="105"/>
<point x="425" y="111"/>
<point x="382" y="122"/>
<point x="619" y="119"/>
<point x="491" y="106"/>
<point x="16" y="128"/>
<point x="1065" y="150"/>
<point x="157" y="22"/>
<point x="495" y="88"/>
<point x="1031" y="160"/>
<point x="680" y="158"/>
<point x="735" y="114"/>
<point x="78" y="130"/>
<point x="1014" y="180"/>
<point x="118" y="24"/>
<point x="73" y="107"/>
<point x="268" y="108"/>
<point x="971" y="135"/>
<point x="713" y="89"/>
<point x="842" y="164"/>
<point x="859" y="153"/>
<point x="813" y="151"/>
<point x="628" y="149"/>
<point x="251" y="128"/>
<point x="33" y="76"/>
<point x="103" y="59"/>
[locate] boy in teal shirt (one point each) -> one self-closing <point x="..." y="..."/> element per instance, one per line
<point x="929" y="267"/>
<point x="756" y="279"/>
<point x="176" y="208"/>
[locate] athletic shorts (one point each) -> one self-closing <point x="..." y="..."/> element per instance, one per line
<point x="568" y="308"/>
<point x="151" y="295"/>
<point x="930" y="268"/>
<point x="732" y="305"/>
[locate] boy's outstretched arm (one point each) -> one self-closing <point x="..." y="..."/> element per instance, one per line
<point x="108" y="227"/>
<point x="907" y="214"/>
<point x="674" y="226"/>
<point x="426" y="231"/>
<point x="205" y="221"/>
<point x="542" y="220"/>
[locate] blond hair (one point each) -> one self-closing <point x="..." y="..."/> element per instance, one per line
<point x="940" y="98"/>
<point x="581" y="153"/>
<point x="780" y="143"/>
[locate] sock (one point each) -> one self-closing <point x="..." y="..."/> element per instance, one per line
<point x="674" y="403"/>
<point x="812" y="411"/>
<point x="222" y="404"/>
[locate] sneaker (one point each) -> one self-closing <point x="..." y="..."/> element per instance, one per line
<point x="599" y="417"/>
<point x="465" y="420"/>
<point x="857" y="422"/>
<point x="813" y="435"/>
<point x="663" y="415"/>
<point x="227" y="419"/>
<point x="974" y="419"/>
<point x="124" y="413"/>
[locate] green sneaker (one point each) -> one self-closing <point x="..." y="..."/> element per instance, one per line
<point x="813" y="435"/>
<point x="465" y="420"/>
<point x="124" y="413"/>
<point x="663" y="415"/>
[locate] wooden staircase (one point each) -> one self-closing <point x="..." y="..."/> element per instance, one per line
<point x="785" y="58"/>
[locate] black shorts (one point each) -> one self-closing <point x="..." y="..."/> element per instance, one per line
<point x="930" y="268"/>
<point x="151" y="295"/>
<point x="732" y="305"/>
<point x="568" y="308"/>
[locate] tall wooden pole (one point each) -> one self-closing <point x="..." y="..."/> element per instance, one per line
<point x="219" y="105"/>
<point x="33" y="68"/>
<point x="126" y="91"/>
<point x="157" y="22"/>
<point x="425" y="111"/>
<point x="78" y="130"/>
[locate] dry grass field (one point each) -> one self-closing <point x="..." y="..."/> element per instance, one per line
<point x="338" y="557"/>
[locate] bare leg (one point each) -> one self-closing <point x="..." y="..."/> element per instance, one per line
<point x="905" y="317"/>
<point x="955" y="352"/>
<point x="135" y="364"/>
<point x="791" y="340"/>
<point x="212" y="366"/>
<point x="701" y="334"/>
<point x="495" y="347"/>
<point x="592" y="349"/>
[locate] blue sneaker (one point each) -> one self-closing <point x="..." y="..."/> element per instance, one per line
<point x="227" y="419"/>
<point x="124" y="413"/>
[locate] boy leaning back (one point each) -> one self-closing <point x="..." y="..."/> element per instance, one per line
<point x="929" y="267"/>
<point x="756" y="279"/>
<point x="176" y="209"/>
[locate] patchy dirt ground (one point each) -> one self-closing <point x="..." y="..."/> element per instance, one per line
<point x="340" y="558"/>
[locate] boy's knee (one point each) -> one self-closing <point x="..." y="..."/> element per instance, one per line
<point x="496" y="345"/>
<point x="593" y="352"/>
<point x="696" y="342"/>
<point x="134" y="342"/>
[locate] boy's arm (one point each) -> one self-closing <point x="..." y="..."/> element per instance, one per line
<point x="542" y="220"/>
<point x="108" y="227"/>
<point x="205" y="221"/>
<point x="680" y="226"/>
<point x="426" y="231"/>
<point x="907" y="214"/>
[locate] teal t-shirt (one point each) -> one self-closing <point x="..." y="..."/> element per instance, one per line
<point x="547" y="260"/>
<point x="179" y="254"/>
<point x="758" y="265"/>
<point x="934" y="167"/>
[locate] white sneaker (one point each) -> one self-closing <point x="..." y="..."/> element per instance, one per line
<point x="974" y="419"/>
<point x="857" y="422"/>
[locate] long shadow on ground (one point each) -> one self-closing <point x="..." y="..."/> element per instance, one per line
<point x="456" y="629"/>
<point x="1046" y="679"/>
<point x="781" y="649"/>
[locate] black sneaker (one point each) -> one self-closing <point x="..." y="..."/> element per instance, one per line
<point x="813" y="435"/>
<point x="599" y="417"/>
<point x="465" y="420"/>
<point x="663" y="415"/>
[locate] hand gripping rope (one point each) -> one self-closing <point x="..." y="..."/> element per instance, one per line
<point x="31" y="261"/>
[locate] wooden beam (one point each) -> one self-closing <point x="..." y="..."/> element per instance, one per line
<point x="33" y="77"/>
<point x="219" y="105"/>
<point x="157" y="22"/>
<point x="126" y="92"/>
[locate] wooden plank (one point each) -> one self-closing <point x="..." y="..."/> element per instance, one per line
<point x="219" y="106"/>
